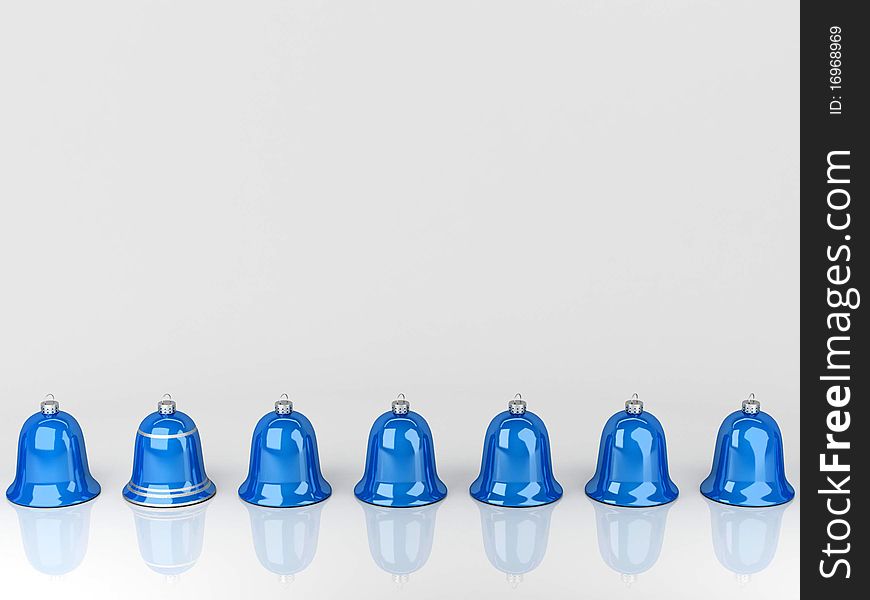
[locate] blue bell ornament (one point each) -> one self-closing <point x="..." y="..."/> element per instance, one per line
<point x="168" y="468"/>
<point x="516" y="469"/>
<point x="632" y="465"/>
<point x="284" y="468"/>
<point x="52" y="468"/>
<point x="748" y="466"/>
<point x="400" y="461"/>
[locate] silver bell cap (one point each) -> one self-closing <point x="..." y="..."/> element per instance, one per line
<point x="283" y="406"/>
<point x="634" y="405"/>
<point x="516" y="405"/>
<point x="751" y="406"/>
<point x="166" y="405"/>
<point x="49" y="406"/>
<point x="400" y="405"/>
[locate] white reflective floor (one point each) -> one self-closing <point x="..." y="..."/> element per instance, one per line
<point x="573" y="548"/>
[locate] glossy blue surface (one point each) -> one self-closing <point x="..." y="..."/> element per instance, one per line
<point x="748" y="468"/>
<point x="745" y="540"/>
<point x="285" y="541"/>
<point x="52" y="469"/>
<point x="168" y="468"/>
<point x="515" y="540"/>
<point x="55" y="541"/>
<point x="400" y="541"/>
<point x="516" y="469"/>
<point x="284" y="469"/>
<point x="400" y="463"/>
<point x="632" y="465"/>
<point x="630" y="539"/>
<point x="170" y="541"/>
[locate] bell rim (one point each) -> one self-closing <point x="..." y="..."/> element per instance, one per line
<point x="439" y="488"/>
<point x="516" y="506"/>
<point x="78" y="503"/>
<point x="558" y="491"/>
<point x="758" y="506"/>
<point x="161" y="507"/>
<point x="638" y="506"/>
<point x="763" y="508"/>
<point x="326" y="489"/>
<point x="290" y="506"/>
<point x="441" y="499"/>
<point x="178" y="505"/>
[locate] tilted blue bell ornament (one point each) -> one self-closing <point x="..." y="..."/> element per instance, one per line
<point x="630" y="539"/>
<point x="170" y="541"/>
<point x="52" y="469"/>
<point x="285" y="541"/>
<point x="55" y="541"/>
<point x="400" y="461"/>
<point x="748" y="467"/>
<point x="168" y="468"/>
<point x="284" y="468"/>
<point x="516" y="469"/>
<point x="515" y="541"/>
<point x="745" y="541"/>
<point x="400" y="541"/>
<point x="632" y="465"/>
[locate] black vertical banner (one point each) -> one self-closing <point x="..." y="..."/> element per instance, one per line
<point x="835" y="221"/>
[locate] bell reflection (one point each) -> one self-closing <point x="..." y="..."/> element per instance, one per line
<point x="170" y="541"/>
<point x="55" y="541"/>
<point x="400" y="539"/>
<point x="630" y="539"/>
<point x="285" y="539"/>
<point x="515" y="539"/>
<point x="745" y="539"/>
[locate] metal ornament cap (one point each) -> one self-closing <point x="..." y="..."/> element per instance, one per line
<point x="284" y="467"/>
<point x="283" y="406"/>
<point x="52" y="466"/>
<point x="517" y="406"/>
<point x="400" y="463"/>
<point x="516" y="469"/>
<point x="401" y="406"/>
<point x="748" y="464"/>
<point x="634" y="405"/>
<point x="168" y="467"/>
<point x="751" y="406"/>
<point x="166" y="406"/>
<point x="49" y="407"/>
<point x="632" y="467"/>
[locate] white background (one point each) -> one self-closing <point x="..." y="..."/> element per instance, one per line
<point x="457" y="200"/>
